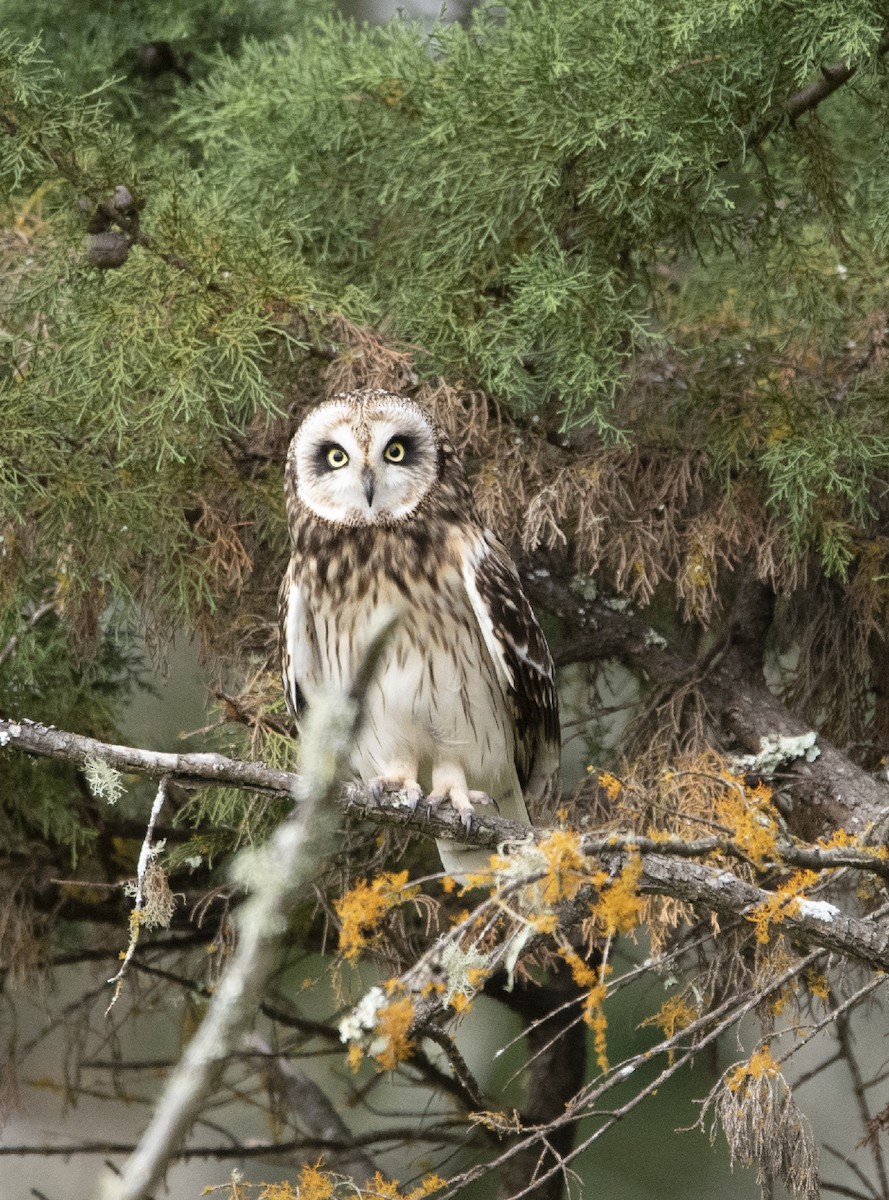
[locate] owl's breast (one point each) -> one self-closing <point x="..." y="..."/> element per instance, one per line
<point x="437" y="693"/>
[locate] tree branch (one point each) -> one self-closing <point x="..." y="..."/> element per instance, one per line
<point x="49" y="742"/>
<point x="832" y="78"/>
<point x="668" y="866"/>
<point x="832" y="790"/>
<point x="807" y="99"/>
<point x="207" y="770"/>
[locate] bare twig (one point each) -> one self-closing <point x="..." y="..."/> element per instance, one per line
<point x="717" y="1022"/>
<point x="137" y="915"/>
<point x="837" y="1014"/>
<point x="458" y="1064"/>
<point x="844" y="1037"/>
<point x="870" y="1192"/>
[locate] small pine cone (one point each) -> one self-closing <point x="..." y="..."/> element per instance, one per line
<point x="108" y="249"/>
<point x="123" y="198"/>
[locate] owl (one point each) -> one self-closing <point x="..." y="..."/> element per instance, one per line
<point x="464" y="705"/>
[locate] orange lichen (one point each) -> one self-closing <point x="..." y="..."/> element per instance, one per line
<point x="594" y="1016"/>
<point x="610" y="784"/>
<point x="840" y="839"/>
<point x="779" y="1001"/>
<point x="387" y="1189"/>
<point x="818" y="985"/>
<point x="488" y="877"/>
<point x="619" y="907"/>
<point x="672" y="1017"/>
<point x="761" y="1065"/>
<point x="783" y="903"/>
<point x="476" y="976"/>
<point x="363" y="907"/>
<point x="393" y="1029"/>
<point x="748" y="814"/>
<point x="582" y="973"/>
<point x="313" y="1184"/>
<point x="285" y="1191"/>
<point x="546" y="923"/>
<point x="566" y="866"/>
<point x="587" y="977"/>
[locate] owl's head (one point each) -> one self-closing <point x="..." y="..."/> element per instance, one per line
<point x="364" y="458"/>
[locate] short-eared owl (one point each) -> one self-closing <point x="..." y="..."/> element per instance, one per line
<point x="464" y="705"/>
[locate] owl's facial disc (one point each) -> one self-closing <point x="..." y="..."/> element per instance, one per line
<point x="367" y="463"/>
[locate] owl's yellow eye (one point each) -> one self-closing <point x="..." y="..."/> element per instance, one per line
<point x="394" y="452"/>
<point x="337" y="457"/>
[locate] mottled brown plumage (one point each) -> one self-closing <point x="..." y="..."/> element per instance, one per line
<point x="381" y="514"/>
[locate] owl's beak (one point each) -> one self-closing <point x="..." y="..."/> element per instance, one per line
<point x="368" y="482"/>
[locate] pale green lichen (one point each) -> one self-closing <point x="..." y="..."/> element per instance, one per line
<point x="776" y="750"/>
<point x="103" y="780"/>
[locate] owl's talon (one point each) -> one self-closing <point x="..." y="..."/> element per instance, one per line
<point x="434" y="801"/>
<point x="384" y="785"/>
<point x="484" y="798"/>
<point x="461" y="800"/>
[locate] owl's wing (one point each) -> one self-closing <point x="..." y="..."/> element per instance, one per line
<point x="298" y="642"/>
<point x="522" y="659"/>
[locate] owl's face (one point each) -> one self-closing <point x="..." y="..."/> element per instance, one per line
<point x="367" y="459"/>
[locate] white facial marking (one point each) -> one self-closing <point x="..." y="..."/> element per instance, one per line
<point x="367" y="461"/>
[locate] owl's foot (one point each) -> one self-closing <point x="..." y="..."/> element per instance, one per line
<point x="461" y="800"/>
<point x="384" y="785"/>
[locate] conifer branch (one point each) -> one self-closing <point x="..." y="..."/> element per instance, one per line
<point x="807" y="99"/>
<point x="832" y="78"/>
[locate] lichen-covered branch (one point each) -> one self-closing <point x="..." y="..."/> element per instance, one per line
<point x="208" y="770"/>
<point x="834" y="790"/>
<point x="49" y="742"/>
<point x="668" y="866"/>
<point x="138" y="913"/>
